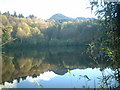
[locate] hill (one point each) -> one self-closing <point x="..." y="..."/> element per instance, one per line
<point x="62" y="18"/>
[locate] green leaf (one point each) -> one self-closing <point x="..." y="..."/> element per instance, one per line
<point x="109" y="53"/>
<point x="69" y="71"/>
<point x="39" y="84"/>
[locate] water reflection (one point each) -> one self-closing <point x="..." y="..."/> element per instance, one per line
<point x="51" y="80"/>
<point x="49" y="67"/>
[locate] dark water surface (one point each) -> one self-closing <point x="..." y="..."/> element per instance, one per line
<point x="68" y="67"/>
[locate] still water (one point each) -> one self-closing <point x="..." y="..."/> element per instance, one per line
<point x="68" y="67"/>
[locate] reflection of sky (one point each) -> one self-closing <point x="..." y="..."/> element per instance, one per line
<point x="51" y="80"/>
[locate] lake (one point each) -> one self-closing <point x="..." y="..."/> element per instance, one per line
<point x="63" y="67"/>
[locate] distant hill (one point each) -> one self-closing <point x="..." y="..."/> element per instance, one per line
<point x="82" y="18"/>
<point x="62" y="18"/>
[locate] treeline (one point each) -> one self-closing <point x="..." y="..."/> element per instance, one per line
<point x="33" y="32"/>
<point x="15" y="15"/>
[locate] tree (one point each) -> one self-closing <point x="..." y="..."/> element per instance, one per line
<point x="5" y="21"/>
<point x="20" y="34"/>
<point x="20" y="16"/>
<point x="110" y="12"/>
<point x="31" y="16"/>
<point x="109" y="46"/>
<point x="6" y="13"/>
<point x="15" y="14"/>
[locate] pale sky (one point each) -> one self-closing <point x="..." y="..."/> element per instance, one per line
<point x="46" y="8"/>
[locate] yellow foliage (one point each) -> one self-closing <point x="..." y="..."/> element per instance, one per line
<point x="4" y="20"/>
<point x="20" y="32"/>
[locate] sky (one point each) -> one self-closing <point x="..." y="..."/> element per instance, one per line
<point x="46" y="8"/>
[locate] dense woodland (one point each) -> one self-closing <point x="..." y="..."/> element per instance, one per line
<point x="20" y="31"/>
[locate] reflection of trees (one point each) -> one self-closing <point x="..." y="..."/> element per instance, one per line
<point x="7" y="67"/>
<point x="23" y="67"/>
<point x="33" y="62"/>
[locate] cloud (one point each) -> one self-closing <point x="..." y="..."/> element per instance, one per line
<point x="9" y="85"/>
<point x="45" y="76"/>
